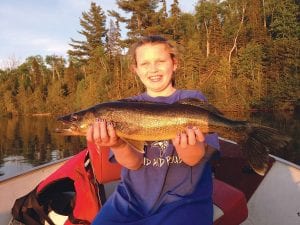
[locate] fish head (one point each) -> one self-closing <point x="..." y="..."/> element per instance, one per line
<point x="75" y="124"/>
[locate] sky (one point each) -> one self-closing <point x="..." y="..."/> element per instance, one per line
<point x="45" y="27"/>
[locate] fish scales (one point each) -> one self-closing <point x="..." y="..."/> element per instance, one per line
<point x="144" y="125"/>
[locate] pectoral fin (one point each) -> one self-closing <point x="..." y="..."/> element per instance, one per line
<point x="137" y="145"/>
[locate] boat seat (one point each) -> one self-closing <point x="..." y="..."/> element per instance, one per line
<point x="231" y="201"/>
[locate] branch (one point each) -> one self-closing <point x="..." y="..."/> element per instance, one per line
<point x="237" y="34"/>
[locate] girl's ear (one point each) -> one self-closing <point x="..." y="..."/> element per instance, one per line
<point x="175" y="64"/>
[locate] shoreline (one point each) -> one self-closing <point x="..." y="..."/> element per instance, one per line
<point x="40" y="114"/>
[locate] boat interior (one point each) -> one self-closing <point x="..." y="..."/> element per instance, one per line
<point x="240" y="195"/>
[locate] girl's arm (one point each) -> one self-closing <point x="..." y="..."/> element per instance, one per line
<point x="102" y="133"/>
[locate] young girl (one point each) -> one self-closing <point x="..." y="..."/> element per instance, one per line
<point x="177" y="191"/>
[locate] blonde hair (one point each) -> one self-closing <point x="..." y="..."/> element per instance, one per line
<point x="153" y="39"/>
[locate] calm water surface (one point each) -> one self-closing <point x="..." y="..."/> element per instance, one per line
<point x="26" y="142"/>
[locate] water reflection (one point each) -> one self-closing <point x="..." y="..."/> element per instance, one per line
<point x="26" y="142"/>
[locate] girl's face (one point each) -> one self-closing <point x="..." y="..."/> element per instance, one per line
<point x="155" y="68"/>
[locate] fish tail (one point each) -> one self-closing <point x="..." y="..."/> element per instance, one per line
<point x="260" y="142"/>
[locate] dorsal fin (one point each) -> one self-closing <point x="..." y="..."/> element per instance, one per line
<point x="200" y="103"/>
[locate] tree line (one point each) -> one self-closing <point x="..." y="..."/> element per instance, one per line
<point x="242" y="54"/>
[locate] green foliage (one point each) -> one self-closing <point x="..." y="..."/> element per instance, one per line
<point x="58" y="100"/>
<point x="249" y="73"/>
<point x="240" y="53"/>
<point x="285" y="20"/>
<point x="284" y="59"/>
<point x="93" y="30"/>
<point x="143" y="20"/>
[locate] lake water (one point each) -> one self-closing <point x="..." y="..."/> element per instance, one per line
<point x="26" y="142"/>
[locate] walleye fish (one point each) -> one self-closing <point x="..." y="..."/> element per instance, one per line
<point x="137" y="122"/>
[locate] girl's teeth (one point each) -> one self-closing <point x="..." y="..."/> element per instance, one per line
<point x="155" y="78"/>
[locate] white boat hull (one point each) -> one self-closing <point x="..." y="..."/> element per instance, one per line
<point x="277" y="199"/>
<point x="17" y="186"/>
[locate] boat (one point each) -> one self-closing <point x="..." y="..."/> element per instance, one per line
<point x="21" y="184"/>
<point x="240" y="195"/>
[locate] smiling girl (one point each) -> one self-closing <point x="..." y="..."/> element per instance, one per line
<point x="171" y="183"/>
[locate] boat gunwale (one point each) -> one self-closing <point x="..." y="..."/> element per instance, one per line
<point x="34" y="169"/>
<point x="288" y="163"/>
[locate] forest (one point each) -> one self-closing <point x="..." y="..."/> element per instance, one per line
<point x="242" y="54"/>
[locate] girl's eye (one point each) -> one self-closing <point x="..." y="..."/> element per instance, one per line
<point x="144" y="64"/>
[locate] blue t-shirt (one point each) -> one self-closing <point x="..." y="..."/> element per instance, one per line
<point x="164" y="190"/>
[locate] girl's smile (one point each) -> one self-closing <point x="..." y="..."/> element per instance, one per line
<point x="156" y="78"/>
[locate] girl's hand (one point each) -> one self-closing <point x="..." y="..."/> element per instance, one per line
<point x="190" y="145"/>
<point x="103" y="133"/>
<point x="190" y="137"/>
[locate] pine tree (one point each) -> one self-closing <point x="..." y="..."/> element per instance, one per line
<point x="174" y="20"/>
<point x="113" y="43"/>
<point x="93" y="30"/>
<point x="143" y="19"/>
<point x="285" y="21"/>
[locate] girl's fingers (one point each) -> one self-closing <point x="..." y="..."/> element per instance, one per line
<point x="96" y="131"/>
<point x="191" y="136"/>
<point x="103" y="131"/>
<point x="111" y="132"/>
<point x="199" y="135"/>
<point x="89" y="134"/>
<point x="183" y="140"/>
<point x="176" y="140"/>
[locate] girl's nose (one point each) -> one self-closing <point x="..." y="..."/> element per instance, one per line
<point x="153" y="67"/>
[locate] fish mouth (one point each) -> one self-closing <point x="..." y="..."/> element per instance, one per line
<point x="71" y="125"/>
<point x="71" y="131"/>
<point x="64" y="131"/>
<point x="67" y="128"/>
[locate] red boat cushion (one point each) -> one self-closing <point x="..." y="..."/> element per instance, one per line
<point x="85" y="191"/>
<point x="231" y="201"/>
<point x="104" y="170"/>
